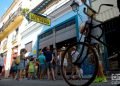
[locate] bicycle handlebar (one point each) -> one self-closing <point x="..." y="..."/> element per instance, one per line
<point x="93" y="9"/>
<point x="110" y="5"/>
<point x="89" y="8"/>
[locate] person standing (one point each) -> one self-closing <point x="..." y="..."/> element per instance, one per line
<point x="49" y="60"/>
<point x="31" y="68"/>
<point x="65" y="63"/>
<point x="96" y="33"/>
<point x="78" y="70"/>
<point x="42" y="64"/>
<point x="21" y="66"/>
<point x="1" y="64"/>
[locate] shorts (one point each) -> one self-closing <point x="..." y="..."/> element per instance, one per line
<point x="31" y="73"/>
<point x="15" y="68"/>
<point x="50" y="65"/>
<point x="21" y="66"/>
<point x="42" y="67"/>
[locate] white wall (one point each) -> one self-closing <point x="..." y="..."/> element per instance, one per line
<point x="33" y="29"/>
<point x="30" y="4"/>
<point x="31" y="35"/>
<point x="11" y="12"/>
<point x="106" y="12"/>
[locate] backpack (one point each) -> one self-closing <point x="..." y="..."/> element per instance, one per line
<point x="17" y="60"/>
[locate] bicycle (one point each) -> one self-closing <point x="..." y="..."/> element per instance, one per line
<point x="87" y="53"/>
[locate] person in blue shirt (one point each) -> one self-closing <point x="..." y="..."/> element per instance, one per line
<point x="42" y="62"/>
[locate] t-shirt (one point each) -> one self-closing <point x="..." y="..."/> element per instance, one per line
<point x="74" y="55"/>
<point x="48" y="55"/>
<point x="59" y="57"/>
<point x="41" y="59"/>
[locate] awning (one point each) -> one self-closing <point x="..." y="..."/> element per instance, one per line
<point x="12" y="26"/>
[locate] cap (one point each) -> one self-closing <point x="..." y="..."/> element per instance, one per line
<point x="63" y="48"/>
<point x="74" y="47"/>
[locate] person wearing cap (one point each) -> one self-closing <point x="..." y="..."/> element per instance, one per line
<point x="96" y="32"/>
<point x="65" y="62"/>
<point x="78" y="70"/>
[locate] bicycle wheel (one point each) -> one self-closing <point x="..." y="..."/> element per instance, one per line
<point x="82" y="65"/>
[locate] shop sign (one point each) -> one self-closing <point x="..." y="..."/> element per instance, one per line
<point x="34" y="51"/>
<point x="40" y="19"/>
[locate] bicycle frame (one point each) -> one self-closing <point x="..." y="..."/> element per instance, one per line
<point x="89" y="36"/>
<point x="91" y="26"/>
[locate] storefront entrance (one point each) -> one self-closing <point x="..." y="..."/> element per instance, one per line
<point x="112" y="34"/>
<point x="65" y="43"/>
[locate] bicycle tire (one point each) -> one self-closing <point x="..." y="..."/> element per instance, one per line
<point x="92" y="78"/>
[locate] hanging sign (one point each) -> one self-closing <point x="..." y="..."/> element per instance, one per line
<point x="39" y="18"/>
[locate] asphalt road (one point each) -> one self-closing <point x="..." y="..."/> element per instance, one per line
<point x="10" y="82"/>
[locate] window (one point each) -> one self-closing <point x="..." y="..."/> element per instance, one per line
<point x="28" y="47"/>
<point x="66" y="24"/>
<point x="46" y="34"/>
<point x="14" y="36"/>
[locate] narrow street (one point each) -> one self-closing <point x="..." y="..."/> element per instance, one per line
<point x="10" y="82"/>
<point x="54" y="39"/>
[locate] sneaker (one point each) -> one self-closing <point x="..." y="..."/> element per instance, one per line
<point x="97" y="80"/>
<point x="103" y="79"/>
<point x="100" y="79"/>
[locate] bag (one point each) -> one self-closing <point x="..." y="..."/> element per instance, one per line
<point x="17" y="60"/>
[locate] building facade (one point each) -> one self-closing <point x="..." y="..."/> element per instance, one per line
<point x="64" y="26"/>
<point x="19" y="32"/>
<point x="12" y="23"/>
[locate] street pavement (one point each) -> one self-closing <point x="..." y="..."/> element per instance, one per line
<point x="25" y="82"/>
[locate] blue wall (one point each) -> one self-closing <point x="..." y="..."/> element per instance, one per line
<point x="66" y="17"/>
<point x="87" y="68"/>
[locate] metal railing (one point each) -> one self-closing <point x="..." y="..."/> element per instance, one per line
<point x="10" y="19"/>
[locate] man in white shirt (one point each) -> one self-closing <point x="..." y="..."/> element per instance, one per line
<point x="1" y="64"/>
<point x="74" y="54"/>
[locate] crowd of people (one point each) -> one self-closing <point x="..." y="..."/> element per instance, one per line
<point x="45" y="66"/>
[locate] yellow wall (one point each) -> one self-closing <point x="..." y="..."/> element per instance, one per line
<point x="12" y="26"/>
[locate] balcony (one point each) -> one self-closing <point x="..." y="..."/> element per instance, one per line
<point x="11" y="19"/>
<point x="12" y="23"/>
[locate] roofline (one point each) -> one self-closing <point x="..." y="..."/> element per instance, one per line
<point x="9" y="9"/>
<point x="40" y="6"/>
